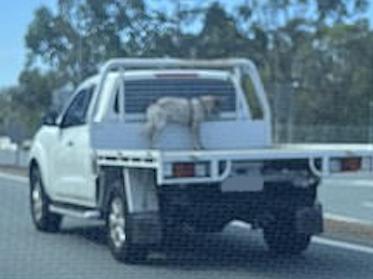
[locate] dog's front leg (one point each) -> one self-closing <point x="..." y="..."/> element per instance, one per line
<point x="152" y="138"/>
<point x="196" y="136"/>
<point x="157" y="131"/>
<point x="150" y="130"/>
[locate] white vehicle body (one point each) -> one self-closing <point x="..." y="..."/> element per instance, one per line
<point x="74" y="159"/>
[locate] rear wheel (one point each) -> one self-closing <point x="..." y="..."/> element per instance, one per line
<point x="43" y="219"/>
<point x="120" y="232"/>
<point x="282" y="238"/>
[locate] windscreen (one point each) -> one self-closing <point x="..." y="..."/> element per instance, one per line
<point x="139" y="94"/>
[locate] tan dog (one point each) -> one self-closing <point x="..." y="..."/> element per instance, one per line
<point x="187" y="112"/>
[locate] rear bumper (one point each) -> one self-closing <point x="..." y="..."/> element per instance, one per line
<point x="309" y="220"/>
<point x="319" y="159"/>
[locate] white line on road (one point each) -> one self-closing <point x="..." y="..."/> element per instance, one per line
<point x="324" y="241"/>
<point x="368" y="204"/>
<point x="330" y="216"/>
<point x="17" y="178"/>
<point x="348" y="183"/>
<point x="343" y="245"/>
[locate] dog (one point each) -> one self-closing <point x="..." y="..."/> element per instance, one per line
<point x="183" y="111"/>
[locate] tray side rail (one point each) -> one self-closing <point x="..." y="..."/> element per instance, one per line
<point x="322" y="164"/>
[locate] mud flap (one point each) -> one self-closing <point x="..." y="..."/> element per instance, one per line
<point x="143" y="208"/>
<point x="145" y="228"/>
<point x="309" y="220"/>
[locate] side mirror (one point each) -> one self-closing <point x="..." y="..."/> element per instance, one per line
<point x="50" y="119"/>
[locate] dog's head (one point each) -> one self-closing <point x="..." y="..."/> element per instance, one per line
<point x="211" y="104"/>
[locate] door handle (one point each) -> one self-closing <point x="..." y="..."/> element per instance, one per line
<point x="70" y="143"/>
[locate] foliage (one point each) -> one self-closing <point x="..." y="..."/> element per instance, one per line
<point x="319" y="50"/>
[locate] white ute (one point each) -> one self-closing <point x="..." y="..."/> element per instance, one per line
<point x="93" y="160"/>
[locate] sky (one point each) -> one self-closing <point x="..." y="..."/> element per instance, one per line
<point x="15" y="16"/>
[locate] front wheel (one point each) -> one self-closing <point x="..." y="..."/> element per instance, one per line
<point x="281" y="237"/>
<point x="43" y="219"/>
<point x="119" y="232"/>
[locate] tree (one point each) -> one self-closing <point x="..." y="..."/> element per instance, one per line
<point x="84" y="34"/>
<point x="220" y="36"/>
<point x="321" y="47"/>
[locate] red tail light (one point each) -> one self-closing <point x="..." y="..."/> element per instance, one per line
<point x="351" y="164"/>
<point x="183" y="169"/>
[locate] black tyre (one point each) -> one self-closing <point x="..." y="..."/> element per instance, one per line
<point x="281" y="238"/>
<point x="119" y="231"/>
<point x="43" y="219"/>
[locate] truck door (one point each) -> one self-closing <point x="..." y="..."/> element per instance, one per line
<point x="74" y="180"/>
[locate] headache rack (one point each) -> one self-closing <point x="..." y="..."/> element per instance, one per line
<point x="139" y="94"/>
<point x="238" y="65"/>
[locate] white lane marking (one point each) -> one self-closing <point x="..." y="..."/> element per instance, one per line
<point x="330" y="216"/>
<point x="17" y="178"/>
<point x="343" y="245"/>
<point x="347" y="219"/>
<point x="324" y="241"/>
<point x="348" y="183"/>
<point x="368" y="204"/>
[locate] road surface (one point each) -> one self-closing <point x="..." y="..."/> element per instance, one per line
<point x="79" y="251"/>
<point x="348" y="199"/>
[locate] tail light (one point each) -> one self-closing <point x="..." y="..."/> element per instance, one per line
<point x="186" y="169"/>
<point x="351" y="164"/>
<point x="183" y="170"/>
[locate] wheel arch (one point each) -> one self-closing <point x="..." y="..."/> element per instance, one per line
<point x="38" y="157"/>
<point x="34" y="162"/>
<point x="138" y="186"/>
<point x="141" y="202"/>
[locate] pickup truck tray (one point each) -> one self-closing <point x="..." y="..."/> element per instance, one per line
<point x="319" y="157"/>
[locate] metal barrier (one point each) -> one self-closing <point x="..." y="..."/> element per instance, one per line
<point x="18" y="158"/>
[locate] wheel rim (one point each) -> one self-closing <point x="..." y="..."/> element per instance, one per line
<point x="117" y="223"/>
<point x="37" y="201"/>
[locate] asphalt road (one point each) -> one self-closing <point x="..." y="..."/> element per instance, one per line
<point x="79" y="251"/>
<point x="348" y="199"/>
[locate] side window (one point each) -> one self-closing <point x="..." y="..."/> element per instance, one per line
<point x="76" y="113"/>
<point x="251" y="98"/>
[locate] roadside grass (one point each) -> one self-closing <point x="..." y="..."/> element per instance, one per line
<point x="347" y="231"/>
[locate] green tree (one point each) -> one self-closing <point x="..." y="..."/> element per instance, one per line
<point x="322" y="47"/>
<point x="84" y="34"/>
